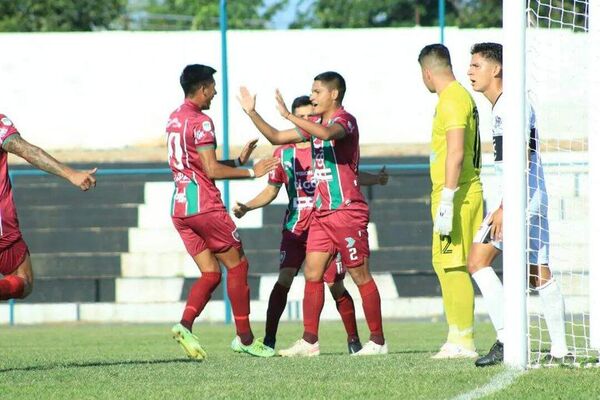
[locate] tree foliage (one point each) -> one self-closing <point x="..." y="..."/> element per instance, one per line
<point x="58" y="15"/>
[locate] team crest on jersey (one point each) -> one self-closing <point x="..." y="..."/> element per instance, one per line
<point x="236" y="235"/>
<point x="5" y="121"/>
<point x="207" y="126"/>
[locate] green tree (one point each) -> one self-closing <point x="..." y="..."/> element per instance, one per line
<point x="58" y="15"/>
<point x="478" y="13"/>
<point x="242" y="14"/>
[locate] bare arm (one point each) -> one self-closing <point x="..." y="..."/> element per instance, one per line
<point x="37" y="157"/>
<point x="367" y="179"/>
<point x="265" y="197"/>
<point x="244" y="155"/>
<point x="455" y="152"/>
<point x="216" y="170"/>
<point x="275" y="136"/>
<point x="336" y="131"/>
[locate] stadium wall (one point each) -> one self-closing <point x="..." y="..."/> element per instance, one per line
<point x="104" y="90"/>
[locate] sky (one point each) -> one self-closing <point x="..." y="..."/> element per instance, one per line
<point x="282" y="19"/>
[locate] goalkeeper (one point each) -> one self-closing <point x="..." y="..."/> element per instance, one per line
<point x="456" y="196"/>
<point x="485" y="73"/>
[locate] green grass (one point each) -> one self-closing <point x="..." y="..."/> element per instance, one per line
<point x="143" y="362"/>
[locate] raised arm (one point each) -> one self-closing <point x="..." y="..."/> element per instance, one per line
<point x="37" y="157"/>
<point x="273" y="135"/>
<point x="264" y="198"/>
<point x="335" y="131"/>
<point x="244" y="155"/>
<point x="216" y="170"/>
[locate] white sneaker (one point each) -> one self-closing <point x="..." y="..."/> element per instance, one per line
<point x="371" y="349"/>
<point x="451" y="350"/>
<point x="301" y="349"/>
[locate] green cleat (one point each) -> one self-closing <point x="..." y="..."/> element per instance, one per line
<point x="236" y="345"/>
<point x="189" y="342"/>
<point x="257" y="349"/>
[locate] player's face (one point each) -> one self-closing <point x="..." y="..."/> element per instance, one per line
<point x="481" y="72"/>
<point x="322" y="98"/>
<point x="304" y="111"/>
<point x="426" y="75"/>
<point x="209" y="92"/>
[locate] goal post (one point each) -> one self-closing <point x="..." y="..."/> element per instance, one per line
<point x="514" y="165"/>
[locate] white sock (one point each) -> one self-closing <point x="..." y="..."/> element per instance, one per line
<point x="493" y="296"/>
<point x="553" y="307"/>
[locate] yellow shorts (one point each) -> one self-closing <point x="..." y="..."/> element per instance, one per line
<point x="452" y="251"/>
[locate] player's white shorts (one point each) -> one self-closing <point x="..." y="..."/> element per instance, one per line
<point x="539" y="237"/>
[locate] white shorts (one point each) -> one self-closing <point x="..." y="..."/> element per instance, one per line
<point x="539" y="237"/>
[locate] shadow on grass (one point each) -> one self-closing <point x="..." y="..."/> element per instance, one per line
<point x="398" y="352"/>
<point x="92" y="364"/>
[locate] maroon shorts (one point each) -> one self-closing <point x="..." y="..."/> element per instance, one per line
<point x="13" y="256"/>
<point x="213" y="230"/>
<point x="292" y="253"/>
<point x="343" y="231"/>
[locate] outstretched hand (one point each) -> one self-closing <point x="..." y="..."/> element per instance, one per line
<point x="83" y="179"/>
<point x="265" y="166"/>
<point x="382" y="177"/>
<point x="281" y="107"/>
<point x="247" y="151"/>
<point x="246" y="99"/>
<point x="240" y="209"/>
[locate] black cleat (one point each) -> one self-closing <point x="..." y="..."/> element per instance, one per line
<point x="494" y="357"/>
<point x="354" y="346"/>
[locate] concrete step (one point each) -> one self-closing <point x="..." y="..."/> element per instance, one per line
<point x="72" y="290"/>
<point x="81" y="216"/>
<point x="92" y="264"/>
<point x="59" y="193"/>
<point x="76" y="240"/>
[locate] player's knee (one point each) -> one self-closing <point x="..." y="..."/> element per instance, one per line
<point x="337" y="289"/>
<point x="27" y="286"/>
<point x="360" y="275"/>
<point x="286" y="277"/>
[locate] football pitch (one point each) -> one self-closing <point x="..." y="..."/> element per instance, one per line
<point x="143" y="362"/>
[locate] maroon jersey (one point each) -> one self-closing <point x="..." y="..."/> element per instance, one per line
<point x="188" y="130"/>
<point x="295" y="172"/>
<point x="336" y="167"/>
<point x="9" y="224"/>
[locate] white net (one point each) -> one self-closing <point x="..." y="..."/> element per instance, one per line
<point x="558" y="68"/>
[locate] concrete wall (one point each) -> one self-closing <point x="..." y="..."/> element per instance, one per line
<point x="113" y="89"/>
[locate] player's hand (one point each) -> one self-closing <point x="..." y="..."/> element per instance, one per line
<point x="83" y="179"/>
<point x="382" y="177"/>
<point x="281" y="107"/>
<point x="445" y="213"/>
<point x="496" y="225"/>
<point x="240" y="209"/>
<point x="265" y="166"/>
<point x="247" y="100"/>
<point x="247" y="151"/>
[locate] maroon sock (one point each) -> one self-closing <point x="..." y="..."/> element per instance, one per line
<point x="198" y="297"/>
<point x="312" y="305"/>
<point x="277" y="303"/>
<point x="372" y="308"/>
<point x="11" y="287"/>
<point x="345" y="306"/>
<point x="239" y="296"/>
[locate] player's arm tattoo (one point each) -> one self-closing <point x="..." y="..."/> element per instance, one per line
<point x="34" y="155"/>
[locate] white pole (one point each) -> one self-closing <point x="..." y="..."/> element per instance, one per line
<point x="515" y="193"/>
<point x="594" y="170"/>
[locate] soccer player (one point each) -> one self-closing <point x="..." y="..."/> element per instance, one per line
<point x="295" y="172"/>
<point x="456" y="196"/>
<point x="485" y="73"/>
<point x="15" y="263"/>
<point x="199" y="215"/>
<point x="341" y="214"/>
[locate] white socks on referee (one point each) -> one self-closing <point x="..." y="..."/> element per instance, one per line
<point x="493" y="296"/>
<point x="553" y="307"/>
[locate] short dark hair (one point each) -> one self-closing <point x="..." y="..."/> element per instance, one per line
<point x="333" y="80"/>
<point x="489" y="50"/>
<point x="437" y="51"/>
<point x="300" y="102"/>
<point x="195" y="76"/>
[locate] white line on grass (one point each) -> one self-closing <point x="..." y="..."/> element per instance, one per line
<point x="498" y="382"/>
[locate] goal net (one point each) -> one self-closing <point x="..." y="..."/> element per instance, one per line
<point x="558" y="72"/>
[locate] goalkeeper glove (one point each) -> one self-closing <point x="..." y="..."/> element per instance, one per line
<point x="445" y="213"/>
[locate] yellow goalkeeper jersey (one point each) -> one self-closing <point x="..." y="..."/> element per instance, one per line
<point x="455" y="109"/>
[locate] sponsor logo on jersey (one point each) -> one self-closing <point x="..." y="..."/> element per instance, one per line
<point x="350" y="242"/>
<point x="198" y="135"/>
<point x="174" y="123"/>
<point x="303" y="202"/>
<point x="3" y="131"/>
<point x="236" y="235"/>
